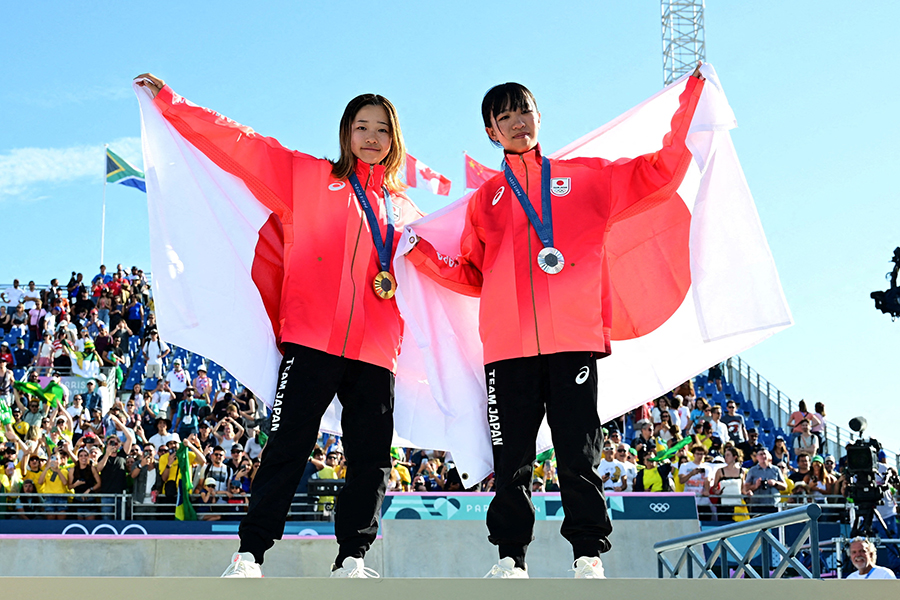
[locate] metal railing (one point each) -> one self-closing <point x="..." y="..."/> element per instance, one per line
<point x="764" y="544"/>
<point x="777" y="406"/>
<point x="120" y="507"/>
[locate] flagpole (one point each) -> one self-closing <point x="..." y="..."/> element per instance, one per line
<point x="103" y="217"/>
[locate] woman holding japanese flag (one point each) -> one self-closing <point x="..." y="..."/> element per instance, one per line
<point x="323" y="270"/>
<point x="532" y="248"/>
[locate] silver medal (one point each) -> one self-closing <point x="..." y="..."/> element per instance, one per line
<point x="551" y="260"/>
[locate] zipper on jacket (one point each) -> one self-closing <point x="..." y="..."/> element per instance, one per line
<point x="537" y="336"/>
<point x="352" y="262"/>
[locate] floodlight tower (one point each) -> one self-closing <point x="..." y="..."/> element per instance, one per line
<point x="683" y="37"/>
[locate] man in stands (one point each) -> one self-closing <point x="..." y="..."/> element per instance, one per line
<point x="862" y="555"/>
<point x="6" y="383"/>
<point x="113" y="472"/>
<point x="102" y="276"/>
<point x="624" y="456"/>
<point x="154" y="351"/>
<point x="644" y="438"/>
<point x="717" y="425"/>
<point x="13" y="296"/>
<point x="24" y="357"/>
<point x="737" y="431"/>
<point x="750" y="447"/>
<point x="162" y="436"/>
<point x="653" y="477"/>
<point x="764" y="482"/>
<point x="178" y="379"/>
<point x="612" y="471"/>
<point x="217" y="469"/>
<point x="804" y="463"/>
<point x="91" y="398"/>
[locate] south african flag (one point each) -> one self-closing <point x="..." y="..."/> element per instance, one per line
<point x="119" y="171"/>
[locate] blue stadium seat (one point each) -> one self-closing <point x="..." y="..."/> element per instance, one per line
<point x="728" y="388"/>
<point x="19" y="374"/>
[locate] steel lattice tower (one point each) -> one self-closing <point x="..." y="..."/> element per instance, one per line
<point x="683" y="37"/>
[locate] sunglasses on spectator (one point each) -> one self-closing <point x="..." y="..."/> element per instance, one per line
<point x="620" y="452"/>
<point x="218" y="454"/>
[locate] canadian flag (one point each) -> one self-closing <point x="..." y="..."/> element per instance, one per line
<point x="716" y="291"/>
<point x="420" y="175"/>
<point x="477" y="173"/>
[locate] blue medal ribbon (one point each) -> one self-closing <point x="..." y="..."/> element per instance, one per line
<point x="543" y="227"/>
<point x="385" y="246"/>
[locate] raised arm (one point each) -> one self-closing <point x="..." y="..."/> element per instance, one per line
<point x="643" y="182"/>
<point x="263" y="163"/>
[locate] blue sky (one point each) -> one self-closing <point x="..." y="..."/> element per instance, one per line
<point x="816" y="108"/>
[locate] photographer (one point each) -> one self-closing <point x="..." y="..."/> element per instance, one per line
<point x="764" y="482"/>
<point x="146" y="480"/>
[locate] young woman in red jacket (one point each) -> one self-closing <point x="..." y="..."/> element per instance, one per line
<point x="532" y="248"/>
<point x="337" y="321"/>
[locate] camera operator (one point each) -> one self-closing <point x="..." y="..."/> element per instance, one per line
<point x="887" y="478"/>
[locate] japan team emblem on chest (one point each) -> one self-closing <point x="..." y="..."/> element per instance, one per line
<point x="560" y="186"/>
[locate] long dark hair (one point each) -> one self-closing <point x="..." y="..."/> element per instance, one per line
<point x="396" y="157"/>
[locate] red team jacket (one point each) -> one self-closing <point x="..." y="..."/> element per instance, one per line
<point x="524" y="311"/>
<point x="321" y="257"/>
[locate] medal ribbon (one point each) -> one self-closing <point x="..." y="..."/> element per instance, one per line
<point x="543" y="227"/>
<point x="385" y="246"/>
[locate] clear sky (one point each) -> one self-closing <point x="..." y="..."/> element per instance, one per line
<point x="810" y="83"/>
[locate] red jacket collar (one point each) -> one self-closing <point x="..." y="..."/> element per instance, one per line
<point x="518" y="162"/>
<point x="362" y="172"/>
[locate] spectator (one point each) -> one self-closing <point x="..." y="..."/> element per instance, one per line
<point x="623" y="455"/>
<point x="36" y="410"/>
<point x="806" y="442"/>
<point x="887" y="476"/>
<point x="400" y="478"/>
<point x="644" y="438"/>
<point x="819" y="430"/>
<point x="780" y="453"/>
<point x="113" y="471"/>
<point x="654" y="477"/>
<point x="203" y="385"/>
<point x="84" y="480"/>
<point x="715" y="374"/>
<point x="161" y="402"/>
<point x="728" y="483"/>
<point x="698" y="412"/>
<point x="188" y="415"/>
<point x="764" y="482"/>
<point x="20" y="321"/>
<point x="146" y="479"/>
<point x="162" y="436"/>
<point x="661" y="406"/>
<point x="134" y="315"/>
<point x="6" y="354"/>
<point x="717" y="425"/>
<point x="830" y="466"/>
<point x="53" y="485"/>
<point x="178" y="379"/>
<point x="91" y="398"/>
<point x="28" y="505"/>
<point x="227" y="432"/>
<point x="155" y="351"/>
<point x="205" y="438"/>
<point x="683" y="412"/>
<point x="797" y="416"/>
<point x="35" y="316"/>
<point x="818" y="482"/>
<point x="217" y="471"/>
<point x="255" y="445"/>
<point x="327" y="472"/>
<point x="799" y="476"/>
<point x="862" y="555"/>
<point x="612" y="471"/>
<point x="237" y="455"/>
<point x="5" y="321"/>
<point x="14" y="295"/>
<point x="737" y="431"/>
<point x="663" y="430"/>
<point x="45" y="353"/>
<point x="694" y="476"/>
<point x="102" y="276"/>
<point x="170" y="469"/>
<point x="208" y="497"/>
<point x="6" y="383"/>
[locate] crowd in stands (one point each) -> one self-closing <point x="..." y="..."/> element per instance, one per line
<point x="149" y="399"/>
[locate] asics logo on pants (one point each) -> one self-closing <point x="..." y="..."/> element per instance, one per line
<point x="582" y="375"/>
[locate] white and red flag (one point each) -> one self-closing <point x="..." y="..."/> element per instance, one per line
<point x="693" y="279"/>
<point x="477" y="173"/>
<point x="420" y="175"/>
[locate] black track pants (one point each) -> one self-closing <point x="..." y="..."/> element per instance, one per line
<point x="308" y="380"/>
<point x="520" y="390"/>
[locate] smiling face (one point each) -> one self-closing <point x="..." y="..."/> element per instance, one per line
<point x="861" y="556"/>
<point x="370" y="135"/>
<point x="517" y="129"/>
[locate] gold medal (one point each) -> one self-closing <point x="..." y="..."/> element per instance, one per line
<point x="385" y="285"/>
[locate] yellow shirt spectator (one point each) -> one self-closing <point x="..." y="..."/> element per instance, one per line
<point x="175" y="473"/>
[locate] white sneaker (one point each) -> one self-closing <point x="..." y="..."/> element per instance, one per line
<point x="243" y="564"/>
<point x="506" y="569"/>
<point x="354" y="567"/>
<point x="589" y="567"/>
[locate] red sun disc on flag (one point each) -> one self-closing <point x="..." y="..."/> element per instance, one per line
<point x="650" y="268"/>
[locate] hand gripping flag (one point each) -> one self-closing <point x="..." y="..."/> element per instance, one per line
<point x="699" y="314"/>
<point x="477" y="173"/>
<point x="420" y="175"/>
<point x="119" y="171"/>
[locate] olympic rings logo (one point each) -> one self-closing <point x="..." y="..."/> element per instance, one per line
<point x="659" y="507"/>
<point x="103" y="528"/>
